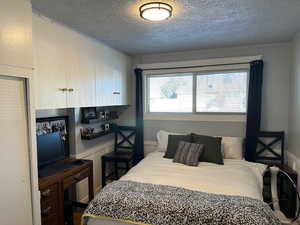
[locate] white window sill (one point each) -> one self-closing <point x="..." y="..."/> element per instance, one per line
<point x="196" y="117"/>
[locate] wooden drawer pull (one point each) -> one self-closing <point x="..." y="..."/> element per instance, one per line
<point x="70" y="89"/>
<point x="46" y="193"/>
<point x="63" y="89"/>
<point x="46" y="211"/>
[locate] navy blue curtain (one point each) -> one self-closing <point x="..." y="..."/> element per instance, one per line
<point x="139" y="152"/>
<point x="254" y="109"/>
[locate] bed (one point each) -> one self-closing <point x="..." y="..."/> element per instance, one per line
<point x="237" y="178"/>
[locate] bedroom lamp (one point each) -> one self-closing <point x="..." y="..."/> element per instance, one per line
<point x="156" y="11"/>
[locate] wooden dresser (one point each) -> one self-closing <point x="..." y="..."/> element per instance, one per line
<point x="55" y="180"/>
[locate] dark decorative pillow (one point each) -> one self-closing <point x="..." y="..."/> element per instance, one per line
<point x="213" y="152"/>
<point x="173" y="142"/>
<point x="188" y="153"/>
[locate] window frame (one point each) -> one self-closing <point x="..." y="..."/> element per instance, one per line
<point x="194" y="92"/>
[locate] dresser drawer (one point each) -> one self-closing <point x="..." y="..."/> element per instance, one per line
<point x="76" y="177"/>
<point x="49" y="193"/>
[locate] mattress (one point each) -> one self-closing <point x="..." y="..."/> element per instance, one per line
<point x="235" y="177"/>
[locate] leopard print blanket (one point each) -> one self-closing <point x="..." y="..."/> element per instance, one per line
<point x="142" y="203"/>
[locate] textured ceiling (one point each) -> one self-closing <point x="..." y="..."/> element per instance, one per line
<point x="195" y="24"/>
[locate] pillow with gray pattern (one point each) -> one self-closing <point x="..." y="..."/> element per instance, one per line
<point x="188" y="153"/>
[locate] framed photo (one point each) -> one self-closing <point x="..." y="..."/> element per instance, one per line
<point x="88" y="114"/>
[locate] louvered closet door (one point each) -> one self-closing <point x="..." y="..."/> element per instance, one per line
<point x="15" y="194"/>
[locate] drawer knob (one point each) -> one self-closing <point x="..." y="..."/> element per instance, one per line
<point x="46" y="211"/>
<point x="46" y="193"/>
<point x="63" y="89"/>
<point x="70" y="89"/>
<point x="116" y="93"/>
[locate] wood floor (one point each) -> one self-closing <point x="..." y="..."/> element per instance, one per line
<point x="77" y="218"/>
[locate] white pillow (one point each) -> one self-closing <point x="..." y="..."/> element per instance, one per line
<point x="232" y="147"/>
<point x="162" y="139"/>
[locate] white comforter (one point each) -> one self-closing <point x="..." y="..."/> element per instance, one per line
<point x="235" y="177"/>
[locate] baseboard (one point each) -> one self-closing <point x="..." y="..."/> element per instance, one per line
<point x="85" y="199"/>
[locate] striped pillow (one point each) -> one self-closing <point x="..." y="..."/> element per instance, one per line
<point x="188" y="153"/>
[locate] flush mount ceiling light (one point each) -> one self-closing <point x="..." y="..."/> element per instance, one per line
<point x="156" y="11"/>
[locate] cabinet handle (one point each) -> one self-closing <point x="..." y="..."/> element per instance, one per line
<point x="46" y="211"/>
<point x="63" y="89"/>
<point x="116" y="93"/>
<point x="46" y="193"/>
<point x="70" y="89"/>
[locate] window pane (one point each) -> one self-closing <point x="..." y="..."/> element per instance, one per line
<point x="171" y="93"/>
<point x="222" y="92"/>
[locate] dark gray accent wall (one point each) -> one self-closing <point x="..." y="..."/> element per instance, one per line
<point x="219" y="128"/>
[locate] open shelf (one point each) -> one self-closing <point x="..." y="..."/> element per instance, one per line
<point x="96" y="135"/>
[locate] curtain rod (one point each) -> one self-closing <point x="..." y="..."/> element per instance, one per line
<point x="191" y="67"/>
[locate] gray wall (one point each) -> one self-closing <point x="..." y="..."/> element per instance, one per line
<point x="275" y="102"/>
<point x="294" y="120"/>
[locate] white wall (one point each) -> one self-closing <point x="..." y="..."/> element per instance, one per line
<point x="275" y="102"/>
<point x="294" y="109"/>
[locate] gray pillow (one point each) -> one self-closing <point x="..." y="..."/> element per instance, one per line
<point x="173" y="142"/>
<point x="188" y="153"/>
<point x="212" y="153"/>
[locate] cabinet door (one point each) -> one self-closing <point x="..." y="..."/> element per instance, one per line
<point x="16" y="33"/>
<point x="104" y="83"/>
<point x="117" y="85"/>
<point x="81" y="74"/>
<point x="50" y="64"/>
<point x="125" y="91"/>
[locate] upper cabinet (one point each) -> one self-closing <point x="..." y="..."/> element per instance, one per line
<point x="16" y="33"/>
<point x="112" y="79"/>
<point x="72" y="70"/>
<point x="50" y="65"/>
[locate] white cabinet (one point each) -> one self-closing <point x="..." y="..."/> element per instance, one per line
<point x="50" y="66"/>
<point x="72" y="70"/>
<point x="16" y="33"/>
<point x="81" y="78"/>
<point x="104" y="84"/>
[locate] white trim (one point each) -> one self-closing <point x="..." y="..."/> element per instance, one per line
<point x="196" y="117"/>
<point x="85" y="199"/>
<point x="202" y="62"/>
<point x="15" y="71"/>
<point x="193" y="116"/>
<point x="26" y="73"/>
<point x="199" y="69"/>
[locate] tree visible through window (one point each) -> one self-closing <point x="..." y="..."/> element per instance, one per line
<point x="172" y="93"/>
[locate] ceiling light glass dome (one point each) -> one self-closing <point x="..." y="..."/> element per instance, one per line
<point x="156" y="11"/>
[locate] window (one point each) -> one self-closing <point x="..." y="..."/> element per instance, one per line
<point x="205" y="92"/>
<point x="222" y="92"/>
<point x="170" y="93"/>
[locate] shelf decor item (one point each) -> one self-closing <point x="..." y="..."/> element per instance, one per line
<point x="88" y="114"/>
